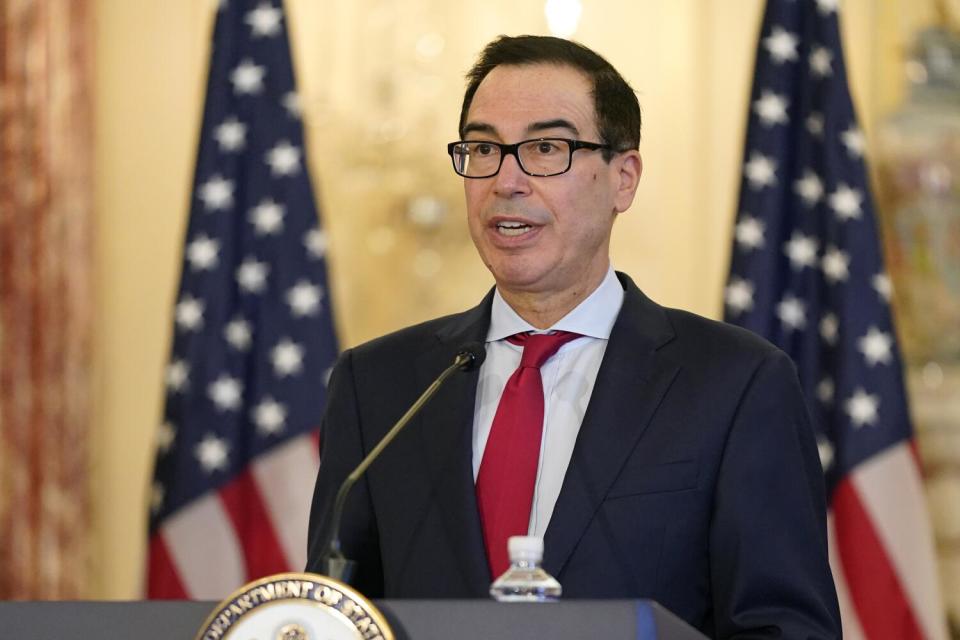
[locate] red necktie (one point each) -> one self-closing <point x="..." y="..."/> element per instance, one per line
<point x="508" y="471"/>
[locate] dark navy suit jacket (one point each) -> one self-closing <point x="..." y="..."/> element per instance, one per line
<point x="694" y="480"/>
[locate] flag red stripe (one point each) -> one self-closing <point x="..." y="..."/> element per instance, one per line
<point x="915" y="452"/>
<point x="875" y="588"/>
<point x="164" y="582"/>
<point x="244" y="505"/>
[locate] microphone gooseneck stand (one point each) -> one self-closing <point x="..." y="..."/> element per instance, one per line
<point x="334" y="564"/>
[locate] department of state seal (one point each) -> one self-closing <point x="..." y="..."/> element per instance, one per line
<point x="295" y="606"/>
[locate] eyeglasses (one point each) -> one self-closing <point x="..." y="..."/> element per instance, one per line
<point x="539" y="157"/>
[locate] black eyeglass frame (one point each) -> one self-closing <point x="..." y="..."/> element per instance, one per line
<point x="512" y="150"/>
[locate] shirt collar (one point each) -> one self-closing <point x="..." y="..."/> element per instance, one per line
<point x="593" y="317"/>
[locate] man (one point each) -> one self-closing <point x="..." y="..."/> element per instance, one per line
<point x="672" y="456"/>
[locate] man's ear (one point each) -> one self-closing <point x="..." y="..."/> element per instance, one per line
<point x="629" y="166"/>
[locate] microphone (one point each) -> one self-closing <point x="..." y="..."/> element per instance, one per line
<point x="335" y="565"/>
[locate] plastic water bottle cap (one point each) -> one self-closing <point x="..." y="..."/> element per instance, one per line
<point x="528" y="548"/>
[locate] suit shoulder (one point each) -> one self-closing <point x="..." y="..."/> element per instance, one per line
<point x="406" y="342"/>
<point x="693" y="339"/>
<point x="709" y="340"/>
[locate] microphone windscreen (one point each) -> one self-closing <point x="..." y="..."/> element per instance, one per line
<point x="477" y="353"/>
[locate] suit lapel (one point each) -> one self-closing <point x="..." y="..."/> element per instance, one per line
<point x="446" y="427"/>
<point x="631" y="381"/>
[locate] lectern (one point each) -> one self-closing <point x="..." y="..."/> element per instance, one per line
<point x="410" y="619"/>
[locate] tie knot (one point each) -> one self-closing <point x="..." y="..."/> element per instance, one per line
<point x="538" y="347"/>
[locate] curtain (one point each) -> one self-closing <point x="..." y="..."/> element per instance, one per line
<point x="46" y="228"/>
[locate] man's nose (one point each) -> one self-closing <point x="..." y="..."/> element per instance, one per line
<point x="511" y="180"/>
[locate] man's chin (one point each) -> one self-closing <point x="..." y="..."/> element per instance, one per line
<point x="521" y="280"/>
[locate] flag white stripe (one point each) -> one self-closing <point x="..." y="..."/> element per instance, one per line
<point x="285" y="477"/>
<point x="848" y="612"/>
<point x="891" y="491"/>
<point x="205" y="549"/>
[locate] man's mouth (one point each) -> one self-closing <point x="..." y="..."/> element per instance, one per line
<point x="513" y="228"/>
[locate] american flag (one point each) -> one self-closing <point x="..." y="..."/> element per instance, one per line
<point x="253" y="334"/>
<point x="807" y="273"/>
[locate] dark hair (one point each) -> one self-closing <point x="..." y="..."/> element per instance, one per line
<point x="615" y="103"/>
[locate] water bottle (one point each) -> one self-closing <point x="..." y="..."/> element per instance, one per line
<point x="525" y="580"/>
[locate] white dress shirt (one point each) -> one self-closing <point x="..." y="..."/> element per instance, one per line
<point x="568" y="379"/>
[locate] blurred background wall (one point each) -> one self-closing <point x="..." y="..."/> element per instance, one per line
<point x="380" y="84"/>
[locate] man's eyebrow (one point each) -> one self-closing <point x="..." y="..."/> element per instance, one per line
<point x="479" y="127"/>
<point x="558" y="123"/>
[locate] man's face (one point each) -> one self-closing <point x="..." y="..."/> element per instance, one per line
<point x="562" y="244"/>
